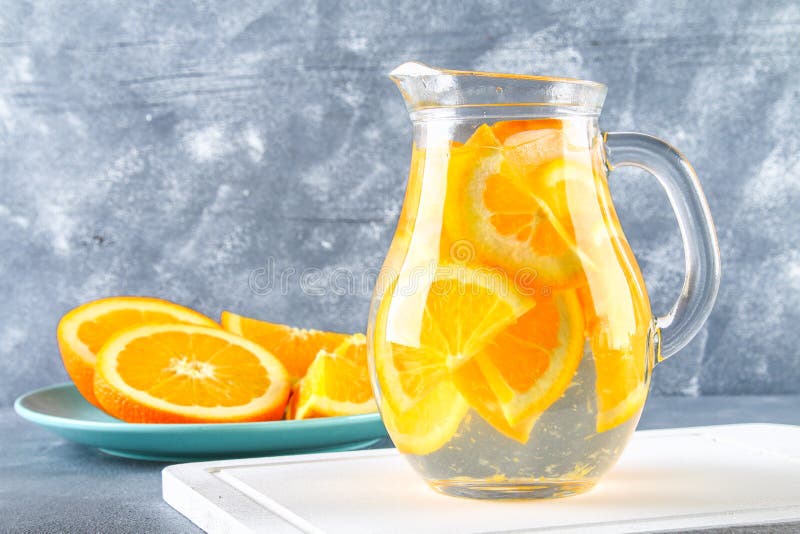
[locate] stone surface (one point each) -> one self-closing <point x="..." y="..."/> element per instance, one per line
<point x="176" y="150"/>
<point x="51" y="485"/>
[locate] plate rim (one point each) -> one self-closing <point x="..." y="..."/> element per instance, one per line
<point x="56" y="421"/>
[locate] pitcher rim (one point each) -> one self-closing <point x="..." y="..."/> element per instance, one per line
<point x="507" y="75"/>
<point x="433" y="88"/>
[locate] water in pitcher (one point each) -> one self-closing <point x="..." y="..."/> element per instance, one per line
<point x="564" y="453"/>
<point x="512" y="340"/>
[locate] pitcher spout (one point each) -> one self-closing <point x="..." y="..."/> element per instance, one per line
<point x="411" y="71"/>
<point x="417" y="83"/>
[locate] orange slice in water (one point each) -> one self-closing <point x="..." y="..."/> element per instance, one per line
<point x="618" y="323"/>
<point x="527" y="366"/>
<point x="85" y="329"/>
<point x="506" y="202"/>
<point x="428" y="425"/>
<point x="337" y="383"/>
<point x="621" y="387"/>
<point x="296" y="348"/>
<point x="464" y="309"/>
<point x="528" y="144"/>
<point x="617" y="313"/>
<point x="504" y="130"/>
<point x="176" y="373"/>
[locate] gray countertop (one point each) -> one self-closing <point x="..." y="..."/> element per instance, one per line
<point x="48" y="484"/>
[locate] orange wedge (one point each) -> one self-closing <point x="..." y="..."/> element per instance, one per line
<point x="175" y="373"/>
<point x="527" y="366"/>
<point x="465" y="308"/>
<point x="337" y="383"/>
<point x="85" y="329"/>
<point x="296" y="348"/>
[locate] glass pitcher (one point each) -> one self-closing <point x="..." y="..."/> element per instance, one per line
<point x="511" y="340"/>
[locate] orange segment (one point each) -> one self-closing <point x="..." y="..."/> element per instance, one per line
<point x="337" y="383"/>
<point x="527" y="366"/>
<point x="188" y="374"/>
<point x="294" y="347"/>
<point x="83" y="331"/>
<point x="463" y="311"/>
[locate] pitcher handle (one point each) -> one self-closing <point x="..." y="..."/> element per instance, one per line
<point x="700" y="246"/>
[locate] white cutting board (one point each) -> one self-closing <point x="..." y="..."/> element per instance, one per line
<point x="667" y="479"/>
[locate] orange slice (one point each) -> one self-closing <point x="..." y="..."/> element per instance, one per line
<point x="528" y="144"/>
<point x="470" y="377"/>
<point x="428" y="425"/>
<point x="508" y="200"/>
<point x="85" y="329"/>
<point x="617" y="312"/>
<point x="618" y="321"/>
<point x="188" y="374"/>
<point x="527" y="366"/>
<point x="294" y="347"/>
<point x="337" y="383"/>
<point x="503" y="130"/>
<point x="465" y="308"/>
<point x="621" y="387"/>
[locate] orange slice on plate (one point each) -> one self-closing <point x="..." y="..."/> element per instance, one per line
<point x="337" y="383"/>
<point x="85" y="329"/>
<point x="176" y="373"/>
<point x="296" y="348"/>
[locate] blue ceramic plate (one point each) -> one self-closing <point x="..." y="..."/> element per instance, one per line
<point x="61" y="409"/>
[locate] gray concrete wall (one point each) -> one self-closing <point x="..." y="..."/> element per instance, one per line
<point x="171" y="149"/>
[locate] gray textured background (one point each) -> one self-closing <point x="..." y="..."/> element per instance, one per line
<point x="170" y="148"/>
